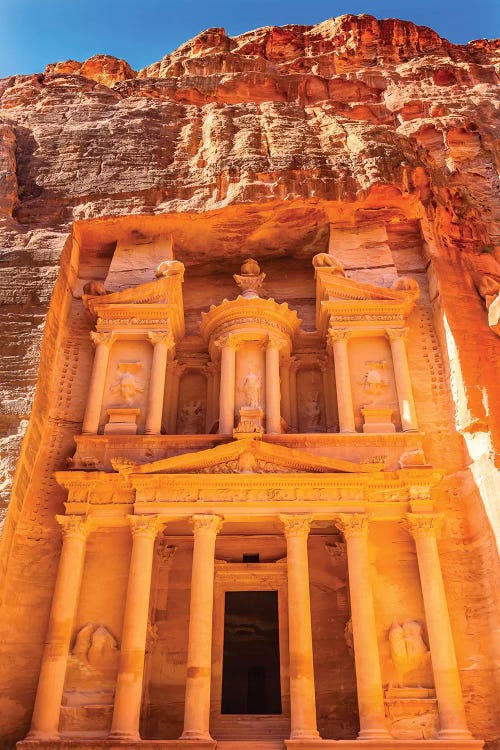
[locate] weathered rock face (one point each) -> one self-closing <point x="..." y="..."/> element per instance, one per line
<point x="377" y="139"/>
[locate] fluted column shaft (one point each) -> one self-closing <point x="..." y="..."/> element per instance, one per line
<point x="128" y="694"/>
<point x="103" y="343"/>
<point x="424" y="528"/>
<point x="161" y="344"/>
<point x="364" y="630"/>
<point x="302" y="691"/>
<point x="227" y="389"/>
<point x="273" y="396"/>
<point x="403" y="379"/>
<point x="339" y="339"/>
<point x="199" y="661"/>
<point x="45" y="721"/>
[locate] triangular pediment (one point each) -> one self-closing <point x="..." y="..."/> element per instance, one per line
<point x="246" y="456"/>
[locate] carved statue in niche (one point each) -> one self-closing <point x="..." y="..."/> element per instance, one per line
<point x="127" y="385"/>
<point x="191" y="418"/>
<point x="312" y="413"/>
<point x="251" y="388"/>
<point x="374" y="381"/>
<point x="409" y="653"/>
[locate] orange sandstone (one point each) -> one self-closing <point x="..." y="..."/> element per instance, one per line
<point x="250" y="320"/>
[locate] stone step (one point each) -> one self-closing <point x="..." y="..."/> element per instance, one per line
<point x="250" y="745"/>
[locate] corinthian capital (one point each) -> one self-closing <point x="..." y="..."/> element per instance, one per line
<point x="161" y="337"/>
<point x="74" y="526"/>
<point x="353" y="524"/>
<point x="144" y="526"/>
<point x="99" y="337"/>
<point x="423" y="524"/>
<point x="397" y="334"/>
<point x="203" y="524"/>
<point x="338" y="334"/>
<point x="296" y="526"/>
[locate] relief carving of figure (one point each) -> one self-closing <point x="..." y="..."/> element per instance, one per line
<point x="126" y="385"/>
<point x="95" y="646"/>
<point x="409" y="652"/>
<point x="374" y="381"/>
<point x="190" y="418"/>
<point x="312" y="413"/>
<point x="251" y="388"/>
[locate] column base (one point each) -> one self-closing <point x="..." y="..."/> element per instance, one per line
<point x="454" y="734"/>
<point x="374" y="734"/>
<point x="36" y="735"/>
<point x="305" y="734"/>
<point x="193" y="734"/>
<point x="127" y="736"/>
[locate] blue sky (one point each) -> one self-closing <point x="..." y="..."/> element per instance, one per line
<point x="34" y="33"/>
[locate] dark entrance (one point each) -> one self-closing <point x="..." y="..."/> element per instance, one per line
<point x="251" y="661"/>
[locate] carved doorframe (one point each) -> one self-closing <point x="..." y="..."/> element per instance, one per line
<point x="249" y="577"/>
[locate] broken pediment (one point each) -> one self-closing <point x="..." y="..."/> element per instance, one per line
<point x="341" y="298"/>
<point x="150" y="304"/>
<point x="245" y="456"/>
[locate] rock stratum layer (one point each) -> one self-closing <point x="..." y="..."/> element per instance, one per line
<point x="279" y="141"/>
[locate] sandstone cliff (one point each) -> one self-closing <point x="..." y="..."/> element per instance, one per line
<point x="279" y="134"/>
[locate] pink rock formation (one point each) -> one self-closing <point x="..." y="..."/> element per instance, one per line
<point x="262" y="141"/>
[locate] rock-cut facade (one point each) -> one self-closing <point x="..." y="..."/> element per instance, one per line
<point x="250" y="421"/>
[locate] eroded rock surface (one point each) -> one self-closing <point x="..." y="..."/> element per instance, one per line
<point x="376" y="137"/>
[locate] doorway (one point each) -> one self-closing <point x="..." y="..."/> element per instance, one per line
<point x="251" y="654"/>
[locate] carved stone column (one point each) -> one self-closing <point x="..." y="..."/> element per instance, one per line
<point x="45" y="721"/>
<point x="397" y="337"/>
<point x="128" y="694"/>
<point x="199" y="661"/>
<point x="294" y="417"/>
<point x="103" y="343"/>
<point x="212" y="374"/>
<point x="174" y="372"/>
<point x="354" y="527"/>
<point x="339" y="338"/>
<point x="302" y="692"/>
<point x="227" y="387"/>
<point x="162" y="342"/>
<point x="424" y="528"/>
<point x="326" y="366"/>
<point x="285" y="363"/>
<point x="273" y="395"/>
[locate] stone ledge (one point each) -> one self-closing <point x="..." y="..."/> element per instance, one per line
<point x="384" y="744"/>
<point x="109" y="744"/>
